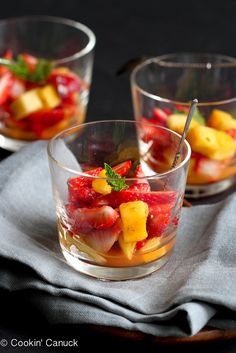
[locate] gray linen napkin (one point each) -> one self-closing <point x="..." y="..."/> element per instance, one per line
<point x="177" y="300"/>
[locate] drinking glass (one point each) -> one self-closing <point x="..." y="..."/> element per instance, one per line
<point x="33" y="107"/>
<point x="162" y="89"/>
<point x="117" y="217"/>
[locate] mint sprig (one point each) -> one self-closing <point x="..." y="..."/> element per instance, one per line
<point x="118" y="184"/>
<point x="21" y="69"/>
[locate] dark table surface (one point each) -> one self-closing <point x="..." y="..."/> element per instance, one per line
<point x="124" y="30"/>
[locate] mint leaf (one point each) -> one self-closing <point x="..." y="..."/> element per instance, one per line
<point x="118" y="184"/>
<point x="21" y="69"/>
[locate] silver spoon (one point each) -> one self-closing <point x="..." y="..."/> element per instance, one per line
<point x="186" y="127"/>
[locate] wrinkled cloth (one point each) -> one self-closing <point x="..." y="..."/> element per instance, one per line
<point x="177" y="300"/>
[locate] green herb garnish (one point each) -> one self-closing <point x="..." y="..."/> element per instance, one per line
<point x="21" y="69"/>
<point x="118" y="184"/>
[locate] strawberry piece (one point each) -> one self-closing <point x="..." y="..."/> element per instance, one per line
<point x="18" y="87"/>
<point x="158" y="219"/>
<point x="30" y="60"/>
<point x="86" y="219"/>
<point x="159" y="116"/>
<point x="115" y="198"/>
<point x="102" y="240"/>
<point x="142" y="184"/>
<point x="232" y="133"/>
<point x="153" y="133"/>
<point x="65" y="83"/>
<point x="7" y="55"/>
<point x="6" y="82"/>
<point x="181" y="108"/>
<point x="140" y="244"/>
<point x="209" y="167"/>
<point x="44" y="119"/>
<point x="167" y="111"/>
<point x="122" y="168"/>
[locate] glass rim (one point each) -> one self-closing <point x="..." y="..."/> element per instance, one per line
<point x="84" y="174"/>
<point x="60" y="20"/>
<point x="160" y="60"/>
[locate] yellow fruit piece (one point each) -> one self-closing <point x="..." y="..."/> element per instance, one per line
<point x="203" y="140"/>
<point x="211" y="143"/>
<point x="134" y="217"/>
<point x="221" y="120"/>
<point x="127" y="248"/>
<point x="49" y="97"/>
<point x="101" y="185"/>
<point x="176" y="122"/>
<point x="27" y="103"/>
<point x="227" y="146"/>
<point x="150" y="254"/>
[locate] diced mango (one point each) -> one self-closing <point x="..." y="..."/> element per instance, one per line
<point x="221" y="120"/>
<point x="49" y="97"/>
<point x="151" y="252"/>
<point x="127" y="248"/>
<point x="27" y="103"/>
<point x="101" y="185"/>
<point x="227" y="146"/>
<point x="134" y="217"/>
<point x="203" y="139"/>
<point x="211" y="143"/>
<point x="176" y="122"/>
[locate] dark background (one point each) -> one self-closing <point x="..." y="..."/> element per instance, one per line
<point x="124" y="30"/>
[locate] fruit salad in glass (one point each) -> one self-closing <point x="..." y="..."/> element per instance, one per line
<point x="37" y="100"/>
<point x="117" y="218"/>
<point x="212" y="141"/>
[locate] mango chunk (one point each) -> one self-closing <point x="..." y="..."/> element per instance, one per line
<point x="221" y="120"/>
<point x="227" y="146"/>
<point x="27" y="103"/>
<point x="203" y="139"/>
<point x="211" y="143"/>
<point x="49" y="97"/>
<point x="176" y="122"/>
<point x="134" y="217"/>
<point x="101" y="185"/>
<point x="127" y="248"/>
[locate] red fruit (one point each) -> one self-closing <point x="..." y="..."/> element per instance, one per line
<point x="80" y="190"/>
<point x="232" y="133"/>
<point x="122" y="168"/>
<point x="158" y="219"/>
<point x="102" y="240"/>
<point x="142" y="184"/>
<point x="18" y="87"/>
<point x="6" y="82"/>
<point x="153" y="133"/>
<point x="151" y="198"/>
<point x="167" y="111"/>
<point x="159" y="116"/>
<point x="181" y="108"/>
<point x="44" y="119"/>
<point x="30" y="60"/>
<point x="65" y="83"/>
<point x="140" y="244"/>
<point x="86" y="219"/>
<point x="84" y="194"/>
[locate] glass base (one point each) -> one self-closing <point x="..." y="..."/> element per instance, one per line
<point x="114" y="273"/>
<point x="12" y="145"/>
<point x="198" y="191"/>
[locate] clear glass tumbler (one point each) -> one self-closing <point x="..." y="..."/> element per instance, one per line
<point x="117" y="217"/>
<point x="46" y="90"/>
<point x="162" y="88"/>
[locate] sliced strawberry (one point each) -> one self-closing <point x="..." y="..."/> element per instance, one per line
<point x="44" y="119"/>
<point x="158" y="219"/>
<point x="116" y="198"/>
<point x="84" y="194"/>
<point x="167" y="111"/>
<point x="30" y="60"/>
<point x="18" y="87"/>
<point x="159" y="116"/>
<point x="232" y="133"/>
<point x="140" y="244"/>
<point x="153" y="133"/>
<point x="122" y="168"/>
<point x="102" y="240"/>
<point x="65" y="83"/>
<point x="142" y="184"/>
<point x="181" y="108"/>
<point x="6" y="82"/>
<point x="7" y="55"/>
<point x="209" y="167"/>
<point x="86" y="219"/>
<point x="82" y="180"/>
